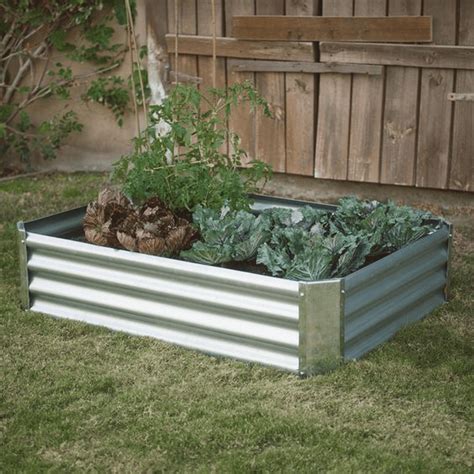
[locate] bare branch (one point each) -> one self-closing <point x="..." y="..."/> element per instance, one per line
<point x="6" y="38"/>
<point x="39" y="92"/>
<point x="20" y="74"/>
<point x="23" y="134"/>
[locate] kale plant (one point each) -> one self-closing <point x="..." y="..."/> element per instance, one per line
<point x="305" y="251"/>
<point x="185" y="166"/>
<point x="307" y="244"/>
<point x="227" y="236"/>
<point x="387" y="227"/>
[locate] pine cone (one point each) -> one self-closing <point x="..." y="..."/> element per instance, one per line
<point x="116" y="214"/>
<point x="127" y="241"/>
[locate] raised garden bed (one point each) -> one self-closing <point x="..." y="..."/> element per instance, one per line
<point x="303" y="327"/>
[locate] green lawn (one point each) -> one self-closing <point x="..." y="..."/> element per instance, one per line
<point x="75" y="397"/>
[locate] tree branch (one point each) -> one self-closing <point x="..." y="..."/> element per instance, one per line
<point x="46" y="90"/>
<point x="20" y="74"/>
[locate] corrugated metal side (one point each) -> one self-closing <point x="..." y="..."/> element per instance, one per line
<point x="393" y="292"/>
<point x="216" y="310"/>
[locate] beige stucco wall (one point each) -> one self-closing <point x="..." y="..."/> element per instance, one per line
<point x="102" y="141"/>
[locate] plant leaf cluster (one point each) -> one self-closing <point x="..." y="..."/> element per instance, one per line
<point x="186" y="163"/>
<point x="308" y="244"/>
<point x="227" y="236"/>
<point x="36" y="39"/>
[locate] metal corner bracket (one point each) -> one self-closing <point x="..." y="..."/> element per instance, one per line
<point x="447" y="288"/>
<point x="321" y="326"/>
<point x="23" y="262"/>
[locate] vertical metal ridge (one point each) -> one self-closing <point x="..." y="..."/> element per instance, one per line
<point x="23" y="265"/>
<point x="447" y="288"/>
<point x="321" y="324"/>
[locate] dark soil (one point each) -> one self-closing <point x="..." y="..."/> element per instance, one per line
<point x="251" y="267"/>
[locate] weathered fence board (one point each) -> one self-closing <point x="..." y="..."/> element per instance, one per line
<point x="270" y="135"/>
<point x="400" y="113"/>
<point x="462" y="164"/>
<point x="234" y="48"/>
<point x="380" y="29"/>
<point x="205" y="63"/>
<point x="432" y="56"/>
<point x="366" y="116"/>
<point x="398" y="124"/>
<point x="300" y="103"/>
<point x="204" y="28"/>
<point x="242" y="119"/>
<point x="304" y="67"/>
<point x="332" y="132"/>
<point x="187" y="63"/>
<point x="434" y="131"/>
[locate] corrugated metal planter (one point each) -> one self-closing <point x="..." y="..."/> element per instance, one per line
<point x="297" y="326"/>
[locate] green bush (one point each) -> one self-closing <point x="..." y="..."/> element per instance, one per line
<point x="35" y="41"/>
<point x="185" y="166"/>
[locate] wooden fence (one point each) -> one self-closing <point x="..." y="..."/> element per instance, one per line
<point x="368" y="112"/>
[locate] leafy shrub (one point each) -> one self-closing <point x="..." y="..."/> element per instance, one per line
<point x="307" y="244"/>
<point x="184" y="165"/>
<point x="35" y="36"/>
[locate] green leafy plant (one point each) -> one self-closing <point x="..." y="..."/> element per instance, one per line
<point x="187" y="165"/>
<point x="307" y="244"/>
<point x="37" y="39"/>
<point x="386" y="226"/>
<point x="227" y="236"/>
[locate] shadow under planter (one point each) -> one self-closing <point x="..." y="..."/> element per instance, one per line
<point x="302" y="327"/>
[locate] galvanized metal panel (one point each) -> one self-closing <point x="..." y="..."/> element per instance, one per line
<point x="192" y="338"/>
<point x="393" y="292"/>
<point x="216" y="310"/>
<point x="321" y="326"/>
